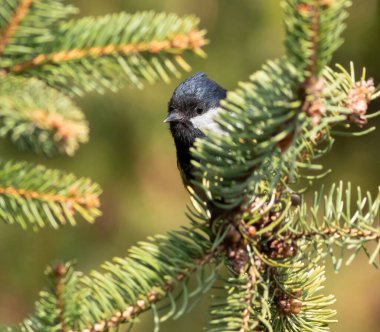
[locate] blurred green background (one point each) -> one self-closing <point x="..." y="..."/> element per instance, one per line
<point x="132" y="156"/>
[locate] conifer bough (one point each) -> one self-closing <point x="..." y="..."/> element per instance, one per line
<point x="44" y="57"/>
<point x="263" y="256"/>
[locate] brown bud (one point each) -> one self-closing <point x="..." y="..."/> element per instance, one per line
<point x="358" y="99"/>
<point x="59" y="270"/>
<point x="251" y="231"/>
<point x="284" y="307"/>
<point x="290" y="252"/>
<point x="295" y="306"/>
<point x="233" y="235"/>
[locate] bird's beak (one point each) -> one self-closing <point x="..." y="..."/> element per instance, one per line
<point x="172" y="117"/>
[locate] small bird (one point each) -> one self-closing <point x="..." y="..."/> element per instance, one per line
<point x="192" y="109"/>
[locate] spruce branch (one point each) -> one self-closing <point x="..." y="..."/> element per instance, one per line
<point x="330" y="220"/>
<point x="246" y="314"/>
<point x="297" y="304"/>
<point x="59" y="305"/>
<point x="258" y="117"/>
<point x="141" y="47"/>
<point x="275" y="127"/>
<point x="314" y="29"/>
<point x="154" y="271"/>
<point x="18" y="40"/>
<point x="357" y="93"/>
<point x="242" y="307"/>
<point x="313" y="32"/>
<point x="281" y="298"/>
<point x="59" y="272"/>
<point x="273" y="141"/>
<point x="252" y="185"/>
<point x="38" y="117"/>
<point x="36" y="197"/>
<point x="10" y="29"/>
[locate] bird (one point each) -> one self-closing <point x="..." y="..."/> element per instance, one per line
<point x="191" y="114"/>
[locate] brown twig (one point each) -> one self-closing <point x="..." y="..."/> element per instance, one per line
<point x="152" y="297"/>
<point x="311" y="88"/>
<point x="193" y="40"/>
<point x="59" y="271"/>
<point x="89" y="201"/>
<point x="342" y="232"/>
<point x="9" y="30"/>
<point x="246" y="314"/>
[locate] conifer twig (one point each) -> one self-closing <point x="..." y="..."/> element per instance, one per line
<point x="250" y="288"/>
<point x="88" y="201"/>
<point x="311" y="88"/>
<point x="34" y="196"/>
<point x="154" y="296"/>
<point x="36" y="116"/>
<point x="276" y="125"/>
<point x="18" y="15"/>
<point x="177" y="44"/>
<point x="340" y="232"/>
<point x="59" y="272"/>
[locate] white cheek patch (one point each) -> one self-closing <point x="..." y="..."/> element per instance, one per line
<point x="206" y="121"/>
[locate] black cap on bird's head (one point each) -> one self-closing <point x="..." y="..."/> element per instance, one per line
<point x="192" y="109"/>
<point x="194" y="97"/>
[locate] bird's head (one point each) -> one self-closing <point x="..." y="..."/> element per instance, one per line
<point x="194" y="104"/>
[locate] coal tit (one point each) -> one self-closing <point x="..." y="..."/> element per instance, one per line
<point x="192" y="109"/>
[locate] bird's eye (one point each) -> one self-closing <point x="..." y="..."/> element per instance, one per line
<point x="199" y="110"/>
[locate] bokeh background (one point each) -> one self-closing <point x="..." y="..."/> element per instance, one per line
<point x="132" y="156"/>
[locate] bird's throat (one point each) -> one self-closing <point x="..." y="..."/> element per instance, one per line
<point x="184" y="139"/>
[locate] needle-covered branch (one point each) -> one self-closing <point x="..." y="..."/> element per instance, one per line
<point x="296" y="300"/>
<point x="258" y="117"/>
<point x="33" y="196"/>
<point x="38" y="117"/>
<point x="274" y="127"/>
<point x="27" y="25"/>
<point x="270" y="140"/>
<point x="242" y="307"/>
<point x="109" y="50"/>
<point x="59" y="306"/>
<point x="331" y="220"/>
<point x="314" y="31"/>
<point x="282" y="298"/>
<point x="154" y="275"/>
